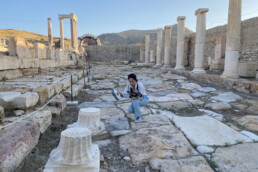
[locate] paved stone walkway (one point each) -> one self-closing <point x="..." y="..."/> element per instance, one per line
<point x="188" y="126"/>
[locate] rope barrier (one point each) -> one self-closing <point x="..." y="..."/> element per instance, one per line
<point x="30" y="114"/>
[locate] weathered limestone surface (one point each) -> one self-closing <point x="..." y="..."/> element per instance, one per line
<point x="241" y="157"/>
<point x="160" y="142"/>
<point x="233" y="39"/>
<point x="114" y="124"/>
<point x="175" y="105"/>
<point x="107" y="113"/>
<point x="16" y="144"/>
<point x="218" y="106"/>
<point x="75" y="152"/>
<point x="191" y="164"/>
<point x="2" y="116"/>
<point x="159" y="47"/>
<point x="248" y="121"/>
<point x="180" y="43"/>
<point x="25" y="100"/>
<point x="227" y="97"/>
<point x="200" y="40"/>
<point x="204" y="130"/>
<point x="7" y="97"/>
<point x="89" y="118"/>
<point x="147" y="49"/>
<point x="43" y="118"/>
<point x="167" y="63"/>
<point x="151" y="121"/>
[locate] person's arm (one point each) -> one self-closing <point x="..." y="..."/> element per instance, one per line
<point x="141" y="89"/>
<point x="124" y="94"/>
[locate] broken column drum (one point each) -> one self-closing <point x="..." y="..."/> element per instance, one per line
<point x="168" y="30"/>
<point x="89" y="118"/>
<point x="200" y="40"/>
<point x="75" y="152"/>
<point x="233" y="39"/>
<point x="159" y="46"/>
<point x="180" y="43"/>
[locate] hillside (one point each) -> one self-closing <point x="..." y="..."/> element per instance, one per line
<point x="29" y="36"/>
<point x="133" y="36"/>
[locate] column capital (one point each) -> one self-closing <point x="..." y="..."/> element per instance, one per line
<point x="168" y="27"/>
<point x="181" y="18"/>
<point x="201" y="11"/>
<point x="159" y="29"/>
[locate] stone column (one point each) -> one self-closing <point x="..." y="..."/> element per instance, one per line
<point x="152" y="57"/>
<point x="75" y="38"/>
<point x="50" y="37"/>
<point x="61" y="34"/>
<point x="89" y="118"/>
<point x="72" y="32"/>
<point x="168" y="30"/>
<point x="159" y="46"/>
<point x="200" y="40"/>
<point x="233" y="39"/>
<point x="147" y="49"/>
<point x="180" y="43"/>
<point x="219" y="53"/>
<point x="75" y="152"/>
<point x="142" y="50"/>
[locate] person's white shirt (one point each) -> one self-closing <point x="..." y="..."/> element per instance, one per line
<point x="138" y="85"/>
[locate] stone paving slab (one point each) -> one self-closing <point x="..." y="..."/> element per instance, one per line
<point x="241" y="157"/>
<point x="96" y="105"/>
<point x="190" y="164"/>
<point x="205" y="130"/>
<point x="160" y="142"/>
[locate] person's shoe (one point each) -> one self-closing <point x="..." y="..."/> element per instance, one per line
<point x="138" y="120"/>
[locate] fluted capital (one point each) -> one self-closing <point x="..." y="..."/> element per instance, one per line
<point x="168" y="27"/>
<point x="75" y="147"/>
<point x="159" y="29"/>
<point x="201" y="10"/>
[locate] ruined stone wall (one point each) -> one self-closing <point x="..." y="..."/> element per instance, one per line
<point x="24" y="58"/>
<point x="109" y="53"/>
<point x="249" y="42"/>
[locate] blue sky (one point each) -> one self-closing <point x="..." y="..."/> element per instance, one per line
<point x="109" y="16"/>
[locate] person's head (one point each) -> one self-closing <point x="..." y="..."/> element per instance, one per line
<point x="132" y="79"/>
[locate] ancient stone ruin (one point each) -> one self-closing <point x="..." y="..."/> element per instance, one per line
<point x="202" y="113"/>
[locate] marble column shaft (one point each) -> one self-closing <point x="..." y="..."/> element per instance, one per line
<point x="147" y="49"/>
<point x="159" y="46"/>
<point x="50" y="37"/>
<point x="142" y="50"/>
<point x="168" y="32"/>
<point x="233" y="39"/>
<point x="200" y="40"/>
<point x="180" y="43"/>
<point x="61" y="34"/>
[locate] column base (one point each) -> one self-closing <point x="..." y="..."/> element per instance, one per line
<point x="158" y="65"/>
<point x="93" y="166"/>
<point x="229" y="75"/>
<point x="198" y="70"/>
<point x="181" y="67"/>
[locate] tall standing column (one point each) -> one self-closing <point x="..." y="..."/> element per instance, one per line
<point x="200" y="39"/>
<point x="233" y="39"/>
<point x="180" y="43"/>
<point x="61" y="34"/>
<point x="75" y="38"/>
<point x="50" y="37"/>
<point x="147" y="49"/>
<point x="168" y="30"/>
<point x="72" y="32"/>
<point x="159" y="46"/>
<point x="142" y="50"/>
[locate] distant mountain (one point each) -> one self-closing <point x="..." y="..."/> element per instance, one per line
<point x="133" y="36"/>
